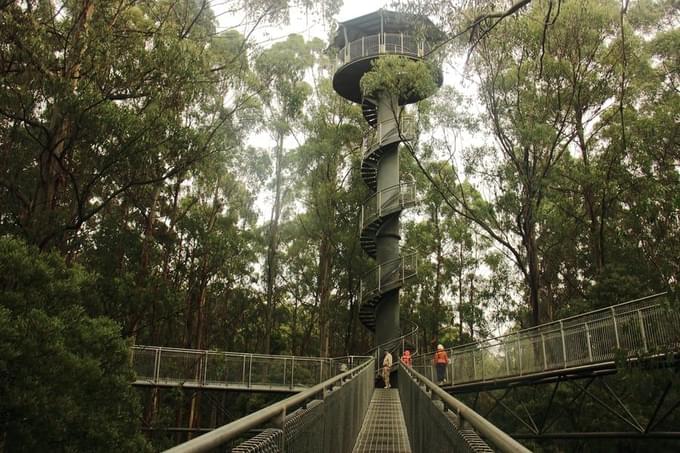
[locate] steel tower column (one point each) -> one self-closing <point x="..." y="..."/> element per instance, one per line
<point x="360" y="42"/>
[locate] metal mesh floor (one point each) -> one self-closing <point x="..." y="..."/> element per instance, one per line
<point x="384" y="429"/>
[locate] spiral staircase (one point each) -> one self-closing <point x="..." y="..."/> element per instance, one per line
<point x="360" y="42"/>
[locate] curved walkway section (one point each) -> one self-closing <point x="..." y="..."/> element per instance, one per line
<point x="169" y="367"/>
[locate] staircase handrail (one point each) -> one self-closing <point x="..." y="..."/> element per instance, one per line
<point x="404" y="128"/>
<point x="400" y="268"/>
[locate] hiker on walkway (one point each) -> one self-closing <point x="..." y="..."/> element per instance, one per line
<point x="387" y="367"/>
<point x="406" y="358"/>
<point x="440" y="359"/>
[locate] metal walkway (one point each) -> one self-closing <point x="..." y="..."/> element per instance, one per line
<point x="384" y="428"/>
<point x="580" y="346"/>
<point x="189" y="368"/>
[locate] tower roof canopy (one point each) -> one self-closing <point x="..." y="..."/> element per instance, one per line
<point x="385" y="21"/>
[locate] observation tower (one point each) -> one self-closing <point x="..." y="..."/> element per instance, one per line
<point x="360" y="42"/>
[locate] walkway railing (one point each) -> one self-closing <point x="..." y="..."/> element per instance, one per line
<point x="383" y="43"/>
<point x="632" y="329"/>
<point x="436" y="421"/>
<point x="388" y="275"/>
<point x="326" y="417"/>
<point x="173" y="366"/>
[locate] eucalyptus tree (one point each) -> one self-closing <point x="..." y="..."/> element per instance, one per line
<point x="100" y="99"/>
<point x="324" y="162"/>
<point x="281" y="70"/>
<point x="549" y="89"/>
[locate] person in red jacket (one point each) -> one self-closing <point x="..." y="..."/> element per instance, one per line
<point x="440" y="359"/>
<point x="406" y="358"/>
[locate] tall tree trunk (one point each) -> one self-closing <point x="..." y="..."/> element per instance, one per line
<point x="438" y="273"/>
<point x="43" y="225"/>
<point x="324" y="291"/>
<point x="272" y="249"/>
<point x="596" y="239"/>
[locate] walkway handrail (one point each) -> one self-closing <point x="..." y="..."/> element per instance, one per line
<point x="639" y="327"/>
<point x="162" y="365"/>
<point x="604" y="311"/>
<point x="273" y="412"/>
<point x="485" y="428"/>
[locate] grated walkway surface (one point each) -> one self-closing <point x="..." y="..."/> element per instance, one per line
<point x="384" y="429"/>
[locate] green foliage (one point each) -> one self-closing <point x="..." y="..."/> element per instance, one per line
<point x="401" y="77"/>
<point x="64" y="376"/>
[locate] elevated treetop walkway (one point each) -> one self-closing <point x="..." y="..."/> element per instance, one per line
<point x="578" y="346"/>
<point x="170" y="367"/>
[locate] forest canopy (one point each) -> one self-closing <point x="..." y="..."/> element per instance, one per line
<point x="140" y="204"/>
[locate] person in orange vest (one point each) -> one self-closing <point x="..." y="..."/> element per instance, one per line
<point x="406" y="358"/>
<point x="440" y="359"/>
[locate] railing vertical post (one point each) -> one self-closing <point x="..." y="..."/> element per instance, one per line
<point x="616" y="330"/>
<point x="590" y="347"/>
<point x="363" y="53"/>
<point x="243" y="371"/>
<point x="642" y="330"/>
<point x="481" y="359"/>
<point x="320" y="371"/>
<point x="401" y="36"/>
<point x="474" y="364"/>
<point x="292" y="372"/>
<point x="284" y="370"/>
<point x="564" y="344"/>
<point x="519" y="353"/>
<point x="157" y="366"/>
<point x="250" y="372"/>
<point x="507" y="360"/>
<point x="205" y="368"/>
<point x="545" y="358"/>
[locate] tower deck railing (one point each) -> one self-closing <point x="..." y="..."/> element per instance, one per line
<point x="162" y="366"/>
<point x="638" y="328"/>
<point x="383" y="43"/>
<point x="388" y="275"/>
